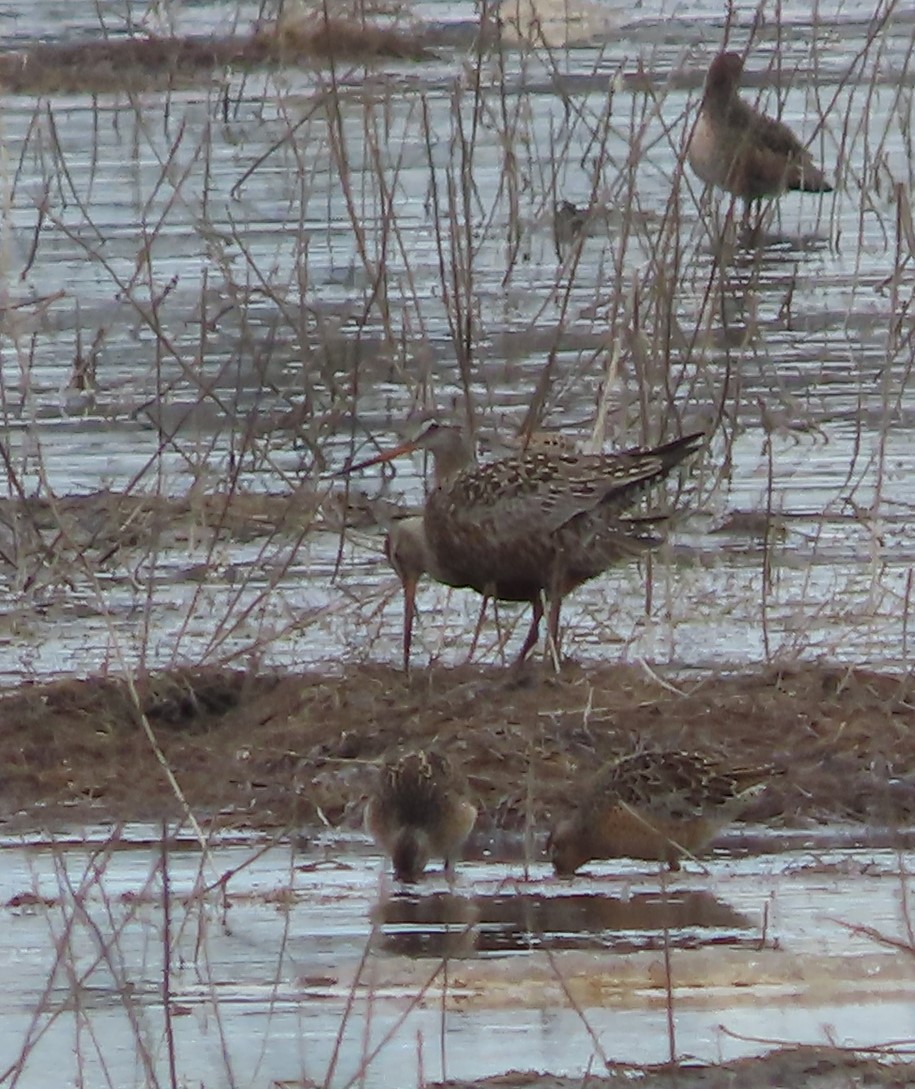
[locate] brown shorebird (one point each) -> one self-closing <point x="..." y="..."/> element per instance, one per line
<point x="407" y="550"/>
<point x="569" y="224"/>
<point x="536" y="524"/>
<point x="419" y="811"/>
<point x="741" y="150"/>
<point x="654" y="805"/>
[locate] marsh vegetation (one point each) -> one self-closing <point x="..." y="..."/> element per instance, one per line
<point x="226" y="273"/>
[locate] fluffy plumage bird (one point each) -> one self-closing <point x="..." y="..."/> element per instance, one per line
<point x="741" y="150"/>
<point x="420" y="811"/>
<point x="537" y="524"/>
<point x="660" y="805"/>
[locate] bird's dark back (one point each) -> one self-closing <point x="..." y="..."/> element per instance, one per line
<point x="413" y="789"/>
<point x="503" y="526"/>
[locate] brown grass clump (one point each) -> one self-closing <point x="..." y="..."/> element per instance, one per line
<point x="278" y="749"/>
<point x="319" y="38"/>
<point x="118" y="64"/>
<point x="139" y="64"/>
<point x="823" y="1067"/>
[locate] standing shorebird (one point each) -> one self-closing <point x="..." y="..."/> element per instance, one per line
<point x="534" y="525"/>
<point x="654" y="805"/>
<point x="741" y="150"/>
<point x="419" y="811"/>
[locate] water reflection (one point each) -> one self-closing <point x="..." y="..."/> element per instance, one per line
<point x="446" y="925"/>
<point x="439" y="925"/>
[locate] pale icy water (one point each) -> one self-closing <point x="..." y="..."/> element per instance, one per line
<point x="221" y="273"/>
<point x="274" y="954"/>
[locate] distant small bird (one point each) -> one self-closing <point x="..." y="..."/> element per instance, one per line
<point x="741" y="150"/>
<point x="569" y="224"/>
<point x="420" y="811"/>
<point x="654" y="805"/>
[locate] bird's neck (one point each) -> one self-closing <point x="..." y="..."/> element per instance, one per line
<point x="451" y="460"/>
<point x="722" y="101"/>
<point x="410" y="552"/>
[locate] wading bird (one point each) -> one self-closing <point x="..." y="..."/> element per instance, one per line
<point x="654" y="805"/>
<point x="534" y="525"/>
<point x="419" y="811"/>
<point x="741" y="150"/>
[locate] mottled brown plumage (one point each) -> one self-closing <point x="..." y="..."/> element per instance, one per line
<point x="569" y="224"/>
<point x="654" y="805"/>
<point x="541" y="522"/>
<point x="739" y="149"/>
<point x="546" y="442"/>
<point x="419" y="811"/>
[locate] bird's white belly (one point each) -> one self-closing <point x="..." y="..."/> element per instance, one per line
<point x="705" y="154"/>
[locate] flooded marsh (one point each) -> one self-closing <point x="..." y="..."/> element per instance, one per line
<point x="220" y="292"/>
<point x="222" y="285"/>
<point x="291" y="968"/>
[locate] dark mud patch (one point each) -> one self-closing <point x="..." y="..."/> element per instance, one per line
<point x="43" y="540"/>
<point x="147" y="63"/>
<point x="810" y="1067"/>
<point x="276" y="749"/>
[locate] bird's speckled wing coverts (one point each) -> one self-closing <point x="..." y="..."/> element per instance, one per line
<point x="419" y="810"/>
<point x="412" y="788"/>
<point x="653" y="805"/>
<point x="542" y="520"/>
<point x="676" y="785"/>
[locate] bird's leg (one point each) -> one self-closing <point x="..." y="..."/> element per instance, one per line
<point x="533" y="633"/>
<point x="751" y="224"/>
<point x="501" y="639"/>
<point x="409" y="611"/>
<point x="478" y="628"/>
<point x="555" y="599"/>
<point x="552" y="629"/>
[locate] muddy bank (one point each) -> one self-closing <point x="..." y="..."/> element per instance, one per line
<point x="286" y="750"/>
<point x="147" y="63"/>
<point x="813" y="1067"/>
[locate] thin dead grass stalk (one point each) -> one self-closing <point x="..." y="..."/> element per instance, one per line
<point x="167" y="957"/>
<point x="670" y="359"/>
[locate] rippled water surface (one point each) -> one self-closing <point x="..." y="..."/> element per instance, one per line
<point x="276" y="952"/>
<point x="230" y="289"/>
<point x="257" y="282"/>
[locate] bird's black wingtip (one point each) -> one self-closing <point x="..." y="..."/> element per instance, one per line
<point x="690" y="443"/>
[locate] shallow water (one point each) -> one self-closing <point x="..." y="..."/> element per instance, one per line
<point x="220" y="291"/>
<point x="215" y="298"/>
<point x="270" y="947"/>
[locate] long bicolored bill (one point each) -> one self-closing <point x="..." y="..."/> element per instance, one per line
<point x="385" y="455"/>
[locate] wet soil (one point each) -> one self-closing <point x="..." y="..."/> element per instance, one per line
<point x="147" y="63"/>
<point x="269" y="749"/>
<point x="43" y="540"/>
<point x="812" y="1067"/>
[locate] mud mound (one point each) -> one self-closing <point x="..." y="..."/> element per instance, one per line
<point x="146" y="63"/>
<point x="812" y="1067"/>
<point x="280" y="749"/>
